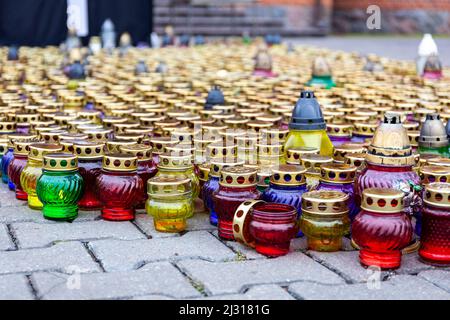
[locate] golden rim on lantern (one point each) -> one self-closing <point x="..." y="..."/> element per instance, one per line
<point x="39" y="150"/>
<point x="60" y="162"/>
<point x="437" y="194"/>
<point x="119" y="162"/>
<point x="382" y="200"/>
<point x="325" y="203"/>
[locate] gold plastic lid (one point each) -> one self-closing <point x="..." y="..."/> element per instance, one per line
<point x="39" y="150"/>
<point x="7" y="126"/>
<point x="437" y="194"/>
<point x="218" y="164"/>
<point x="241" y="223"/>
<point x="60" y="162"/>
<point x="337" y="173"/>
<point x="73" y="136"/>
<point x="174" y="162"/>
<point x="438" y="161"/>
<point x="325" y="203"/>
<point x="143" y="152"/>
<point x="200" y="144"/>
<point x="221" y="150"/>
<point x="346" y="148"/>
<point x="119" y="162"/>
<point x="113" y="146"/>
<point x="181" y="149"/>
<point x="247" y="141"/>
<point x="431" y="174"/>
<point x="120" y="127"/>
<point x="265" y="150"/>
<point x="238" y="177"/>
<point x="312" y="162"/>
<point x="160" y="143"/>
<point x="13" y="137"/>
<point x="339" y="129"/>
<point x="357" y="160"/>
<point x="98" y="134"/>
<point x="288" y="175"/>
<point x="272" y="135"/>
<point x="128" y="136"/>
<point x="294" y="155"/>
<point x="109" y="121"/>
<point x="382" y="200"/>
<point x="184" y="136"/>
<point x="366" y="129"/>
<point x="88" y="149"/>
<point x="23" y="147"/>
<point x="204" y="170"/>
<point x="414" y="138"/>
<point x="168" y="186"/>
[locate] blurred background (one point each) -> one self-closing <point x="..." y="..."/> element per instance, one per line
<point x="43" y="22"/>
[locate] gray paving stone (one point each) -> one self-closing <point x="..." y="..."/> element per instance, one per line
<point x="8" y="199"/>
<point x="151" y="297"/>
<point x="58" y="257"/>
<point x="399" y="287"/>
<point x="5" y="240"/>
<point x="262" y="292"/>
<point x="33" y="235"/>
<point x="116" y="255"/>
<point x="159" y="278"/>
<point x="346" y="263"/>
<point x="232" y="277"/>
<point x="25" y="214"/>
<point x="440" y="278"/>
<point x="199" y="222"/>
<point x="244" y="252"/>
<point x="15" y="287"/>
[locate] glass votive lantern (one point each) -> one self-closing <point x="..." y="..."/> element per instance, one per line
<point x="435" y="233"/>
<point x="340" y="177"/>
<point x="169" y="202"/>
<point x="159" y="145"/>
<point x="382" y="228"/>
<point x="294" y="155"/>
<point x="272" y="226"/>
<point x="236" y="185"/>
<point x="119" y="187"/>
<point x="90" y="155"/>
<point x="60" y="187"/>
<point x="312" y="163"/>
<point x="324" y="219"/>
<point x="339" y="133"/>
<point x="33" y="171"/>
<point x="287" y="185"/>
<point x="18" y="163"/>
<point x="212" y="184"/>
<point x="146" y="168"/>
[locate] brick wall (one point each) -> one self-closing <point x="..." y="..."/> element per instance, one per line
<point x="397" y="16"/>
<point x="258" y="17"/>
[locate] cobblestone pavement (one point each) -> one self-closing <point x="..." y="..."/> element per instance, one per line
<point x="95" y="259"/>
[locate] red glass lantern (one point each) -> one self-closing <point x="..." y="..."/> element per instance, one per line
<point x="382" y="228"/>
<point x="119" y="187"/>
<point x="435" y="236"/>
<point x="237" y="184"/>
<point x="267" y="227"/>
<point x="18" y="163"/>
<point x="90" y="155"/>
<point x="146" y="167"/>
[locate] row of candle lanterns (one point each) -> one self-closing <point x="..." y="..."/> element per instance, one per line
<point x="156" y="168"/>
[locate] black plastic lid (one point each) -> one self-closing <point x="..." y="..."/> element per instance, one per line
<point x="215" y="97"/>
<point x="307" y="114"/>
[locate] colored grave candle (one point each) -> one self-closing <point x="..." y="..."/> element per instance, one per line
<point x="236" y="185"/>
<point x="321" y="74"/>
<point x="287" y="185"/>
<point x="119" y="187"/>
<point x="169" y="202"/>
<point x="18" y="163"/>
<point x="435" y="235"/>
<point x="212" y="184"/>
<point x="433" y="137"/>
<point x="339" y="133"/>
<point x="90" y="156"/>
<point x="33" y="171"/>
<point x="60" y="187"/>
<point x="307" y="126"/>
<point x="340" y="177"/>
<point x="382" y="228"/>
<point x="146" y="168"/>
<point x="324" y="219"/>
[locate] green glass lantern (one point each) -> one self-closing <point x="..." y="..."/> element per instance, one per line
<point x="60" y="187"/>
